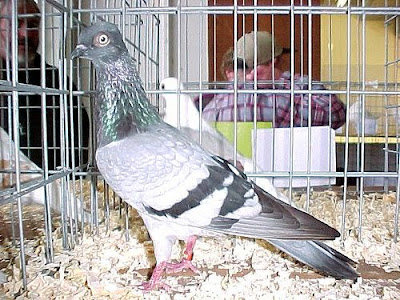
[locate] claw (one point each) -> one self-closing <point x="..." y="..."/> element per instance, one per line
<point x="183" y="265"/>
<point x="152" y="285"/>
<point x="155" y="282"/>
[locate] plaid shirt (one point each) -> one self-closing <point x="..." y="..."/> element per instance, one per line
<point x="326" y="109"/>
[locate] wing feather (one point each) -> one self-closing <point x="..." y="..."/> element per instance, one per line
<point x="276" y="220"/>
<point x="175" y="179"/>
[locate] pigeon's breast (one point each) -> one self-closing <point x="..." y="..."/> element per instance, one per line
<point x="155" y="168"/>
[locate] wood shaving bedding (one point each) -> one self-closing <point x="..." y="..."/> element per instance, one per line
<point x="107" y="266"/>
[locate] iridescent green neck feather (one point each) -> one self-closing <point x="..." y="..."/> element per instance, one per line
<point x="122" y="107"/>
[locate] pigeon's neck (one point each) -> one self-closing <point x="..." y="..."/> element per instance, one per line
<point x="122" y="107"/>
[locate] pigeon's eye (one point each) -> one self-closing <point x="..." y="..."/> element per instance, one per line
<point x="101" y="40"/>
<point x="162" y="86"/>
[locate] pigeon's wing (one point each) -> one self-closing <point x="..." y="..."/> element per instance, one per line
<point x="275" y="220"/>
<point x="161" y="173"/>
<point x="211" y="138"/>
<point x="217" y="144"/>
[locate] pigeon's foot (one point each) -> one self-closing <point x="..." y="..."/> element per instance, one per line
<point x="152" y="286"/>
<point x="155" y="282"/>
<point x="186" y="263"/>
<point x="183" y="265"/>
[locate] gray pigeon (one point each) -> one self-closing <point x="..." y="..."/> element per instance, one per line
<point x="179" y="189"/>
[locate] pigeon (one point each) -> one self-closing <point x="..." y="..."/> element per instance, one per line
<point x="212" y="140"/>
<point x="37" y="195"/>
<point x="355" y="112"/>
<point x="355" y="117"/>
<point x="181" y="190"/>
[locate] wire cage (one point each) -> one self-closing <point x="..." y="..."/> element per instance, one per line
<point x="54" y="201"/>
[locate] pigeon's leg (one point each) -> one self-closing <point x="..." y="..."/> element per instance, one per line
<point x="189" y="247"/>
<point x="162" y="251"/>
<point x="155" y="282"/>
<point x="186" y="262"/>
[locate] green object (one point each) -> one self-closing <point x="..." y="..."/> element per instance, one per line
<point x="244" y="144"/>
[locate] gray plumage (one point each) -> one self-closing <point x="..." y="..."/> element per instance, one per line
<point x="179" y="189"/>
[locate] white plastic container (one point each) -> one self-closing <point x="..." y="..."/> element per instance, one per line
<point x="273" y="153"/>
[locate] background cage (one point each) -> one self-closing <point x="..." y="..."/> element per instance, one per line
<point x="351" y="47"/>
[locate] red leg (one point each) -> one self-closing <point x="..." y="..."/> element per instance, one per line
<point x="155" y="282"/>
<point x="186" y="262"/>
<point x="189" y="247"/>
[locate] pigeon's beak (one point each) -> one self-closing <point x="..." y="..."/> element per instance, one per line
<point x="80" y="50"/>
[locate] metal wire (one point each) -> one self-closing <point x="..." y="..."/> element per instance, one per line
<point x="142" y="24"/>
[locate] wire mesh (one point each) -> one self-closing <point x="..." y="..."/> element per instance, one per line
<point x="49" y="142"/>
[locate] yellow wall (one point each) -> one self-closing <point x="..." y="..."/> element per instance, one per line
<point x="334" y="58"/>
<point x="334" y="37"/>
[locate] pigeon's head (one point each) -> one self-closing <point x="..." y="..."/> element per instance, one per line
<point x="99" y="42"/>
<point x="170" y="84"/>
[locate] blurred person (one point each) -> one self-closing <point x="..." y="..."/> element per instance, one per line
<point x="29" y="72"/>
<point x="28" y="31"/>
<point x="326" y="109"/>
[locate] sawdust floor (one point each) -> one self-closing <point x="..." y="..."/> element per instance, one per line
<point x="228" y="267"/>
<point x="34" y="224"/>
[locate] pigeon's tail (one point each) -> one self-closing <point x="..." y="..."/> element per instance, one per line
<point x="319" y="256"/>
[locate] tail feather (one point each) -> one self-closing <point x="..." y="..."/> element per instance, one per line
<point x="320" y="257"/>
